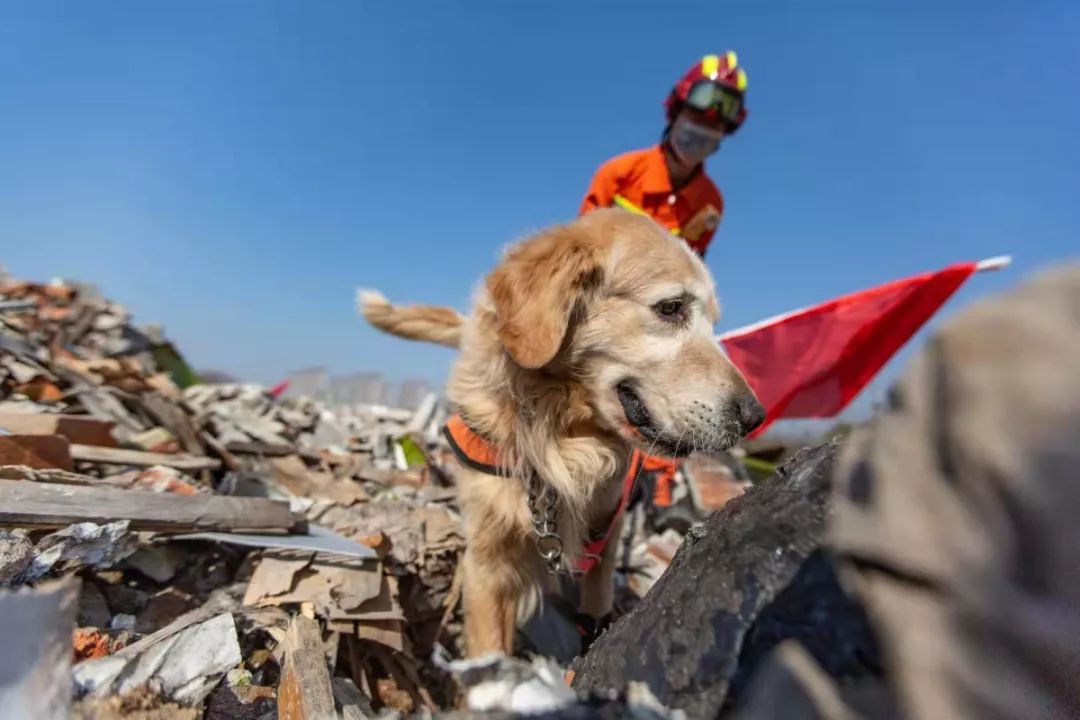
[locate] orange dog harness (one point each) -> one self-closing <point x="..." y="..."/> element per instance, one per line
<point x="475" y="452"/>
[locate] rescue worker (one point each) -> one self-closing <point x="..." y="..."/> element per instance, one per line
<point x="668" y="182"/>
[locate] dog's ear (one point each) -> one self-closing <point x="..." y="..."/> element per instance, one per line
<point x="537" y="286"/>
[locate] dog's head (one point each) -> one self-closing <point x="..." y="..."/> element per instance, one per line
<point x="624" y="309"/>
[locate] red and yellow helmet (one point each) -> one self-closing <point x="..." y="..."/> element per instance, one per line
<point x="714" y="86"/>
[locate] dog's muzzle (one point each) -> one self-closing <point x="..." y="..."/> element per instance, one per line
<point x="737" y="420"/>
<point x="637" y="414"/>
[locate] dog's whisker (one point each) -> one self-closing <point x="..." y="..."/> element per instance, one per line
<point x="678" y="443"/>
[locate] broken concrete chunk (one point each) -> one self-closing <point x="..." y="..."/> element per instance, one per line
<point x="157" y="562"/>
<point x="184" y="661"/>
<point x="96" y="546"/>
<point x="16" y="554"/>
<point x="123" y="622"/>
<point x="499" y="683"/>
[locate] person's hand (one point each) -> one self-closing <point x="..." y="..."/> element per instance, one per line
<point x="706" y="220"/>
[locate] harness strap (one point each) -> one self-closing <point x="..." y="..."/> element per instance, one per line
<point x="594" y="550"/>
<point x="472" y="450"/>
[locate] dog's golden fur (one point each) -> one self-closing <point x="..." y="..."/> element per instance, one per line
<point x="570" y="357"/>
<point x="420" y="322"/>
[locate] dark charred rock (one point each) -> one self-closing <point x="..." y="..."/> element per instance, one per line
<point x="750" y="577"/>
<point x="816" y="612"/>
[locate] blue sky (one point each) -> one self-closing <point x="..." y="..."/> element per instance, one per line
<point x="234" y="170"/>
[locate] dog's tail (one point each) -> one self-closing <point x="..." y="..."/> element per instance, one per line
<point x="430" y="323"/>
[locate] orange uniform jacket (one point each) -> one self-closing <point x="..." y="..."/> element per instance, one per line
<point x="638" y="180"/>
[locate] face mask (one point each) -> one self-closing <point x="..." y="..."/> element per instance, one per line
<point x="693" y="143"/>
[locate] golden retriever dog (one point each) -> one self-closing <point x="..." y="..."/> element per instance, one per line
<point x="588" y="340"/>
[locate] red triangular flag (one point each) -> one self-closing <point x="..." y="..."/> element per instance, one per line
<point x="813" y="362"/>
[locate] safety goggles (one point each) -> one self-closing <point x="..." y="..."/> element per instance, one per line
<point x="716" y="101"/>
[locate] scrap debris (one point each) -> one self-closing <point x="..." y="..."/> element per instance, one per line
<point x="35" y="665"/>
<point x="225" y="551"/>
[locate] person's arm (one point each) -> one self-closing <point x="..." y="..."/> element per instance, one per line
<point x="602" y="189"/>
<point x="702" y="227"/>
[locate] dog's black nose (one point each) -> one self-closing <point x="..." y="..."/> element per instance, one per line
<point x="749" y="414"/>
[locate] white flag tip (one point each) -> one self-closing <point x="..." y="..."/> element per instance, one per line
<point x="994" y="263"/>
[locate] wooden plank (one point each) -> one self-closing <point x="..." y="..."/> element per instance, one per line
<point x="84" y="320"/>
<point x="101" y="404"/>
<point x="139" y="458"/>
<point x="304" y="692"/>
<point x="230" y="461"/>
<point x="260" y="448"/>
<point x="157" y="439"/>
<point x="390" y="633"/>
<point x="36" y="451"/>
<point x="170" y="416"/>
<point x="58" y="477"/>
<point x="77" y="429"/>
<point x="32" y="504"/>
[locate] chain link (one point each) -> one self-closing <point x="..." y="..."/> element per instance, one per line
<point x="545" y="522"/>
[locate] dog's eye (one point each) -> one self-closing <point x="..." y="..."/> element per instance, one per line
<point x="670" y="309"/>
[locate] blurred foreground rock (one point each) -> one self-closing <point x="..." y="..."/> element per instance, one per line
<point x="752" y="575"/>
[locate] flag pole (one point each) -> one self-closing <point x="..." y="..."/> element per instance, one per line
<point x="995" y="263"/>
<point x="991" y="264"/>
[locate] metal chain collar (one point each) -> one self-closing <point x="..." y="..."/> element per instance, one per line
<point x="545" y="523"/>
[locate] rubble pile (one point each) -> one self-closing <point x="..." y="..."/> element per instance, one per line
<point x="221" y="550"/>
